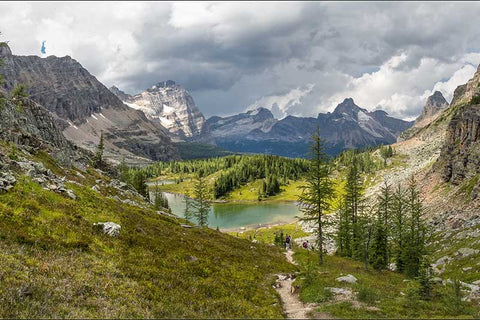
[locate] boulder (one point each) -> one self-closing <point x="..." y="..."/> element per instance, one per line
<point x="110" y="228"/>
<point x="348" y="279"/>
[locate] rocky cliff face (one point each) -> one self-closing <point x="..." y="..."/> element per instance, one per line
<point x="460" y="156"/>
<point x="31" y="126"/>
<point x="171" y="105"/>
<point x="435" y="104"/>
<point x="349" y="126"/>
<point x="85" y="107"/>
<point x="461" y="151"/>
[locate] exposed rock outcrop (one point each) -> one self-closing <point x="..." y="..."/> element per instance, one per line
<point x="169" y="104"/>
<point x="435" y="104"/>
<point x="461" y="152"/>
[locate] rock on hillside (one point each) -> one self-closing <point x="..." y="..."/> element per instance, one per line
<point x="85" y="107"/>
<point x="435" y="104"/>
<point x="169" y="104"/>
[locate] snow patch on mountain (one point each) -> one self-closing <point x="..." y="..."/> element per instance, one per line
<point x="169" y="104"/>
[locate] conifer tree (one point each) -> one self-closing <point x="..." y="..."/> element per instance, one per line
<point x="415" y="235"/>
<point x="188" y="213"/>
<point x="398" y="229"/>
<point x="353" y="200"/>
<point x="201" y="203"/>
<point x="318" y="190"/>
<point x="380" y="250"/>
<point x="98" y="160"/>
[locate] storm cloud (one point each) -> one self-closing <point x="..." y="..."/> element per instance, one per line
<point x="298" y="58"/>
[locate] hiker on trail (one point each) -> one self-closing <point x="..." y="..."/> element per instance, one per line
<point x="287" y="242"/>
<point x="305" y="244"/>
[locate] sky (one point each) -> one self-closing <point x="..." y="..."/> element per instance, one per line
<point x="295" y="58"/>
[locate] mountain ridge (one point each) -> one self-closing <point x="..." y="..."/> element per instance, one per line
<point x="85" y="108"/>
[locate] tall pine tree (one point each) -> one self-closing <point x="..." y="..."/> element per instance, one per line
<point x="201" y="203"/>
<point x="318" y="191"/>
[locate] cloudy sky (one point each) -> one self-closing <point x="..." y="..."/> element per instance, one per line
<point x="296" y="58"/>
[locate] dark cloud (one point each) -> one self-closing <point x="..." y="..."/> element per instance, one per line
<point x="233" y="55"/>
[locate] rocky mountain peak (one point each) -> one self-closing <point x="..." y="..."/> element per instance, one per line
<point x="5" y="50"/>
<point x="435" y="104"/>
<point x="119" y="93"/>
<point x="348" y="107"/>
<point x="436" y="100"/>
<point x="169" y="104"/>
<point x="261" y="114"/>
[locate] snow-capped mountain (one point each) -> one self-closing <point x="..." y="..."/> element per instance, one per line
<point x="169" y="104"/>
<point x="349" y="126"/>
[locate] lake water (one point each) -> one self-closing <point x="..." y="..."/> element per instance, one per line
<point x="236" y="215"/>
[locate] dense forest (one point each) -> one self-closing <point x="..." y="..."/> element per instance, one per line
<point x="232" y="172"/>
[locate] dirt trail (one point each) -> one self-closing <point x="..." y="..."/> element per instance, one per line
<point x="292" y="306"/>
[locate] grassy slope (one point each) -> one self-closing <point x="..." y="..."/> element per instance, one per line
<point x="53" y="263"/>
<point x="382" y="294"/>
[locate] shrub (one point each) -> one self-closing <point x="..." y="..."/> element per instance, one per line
<point x="366" y="294"/>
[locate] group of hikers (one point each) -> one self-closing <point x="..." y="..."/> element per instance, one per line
<point x="288" y="240"/>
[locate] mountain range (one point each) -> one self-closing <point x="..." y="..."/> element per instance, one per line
<point x="148" y="125"/>
<point x="258" y="131"/>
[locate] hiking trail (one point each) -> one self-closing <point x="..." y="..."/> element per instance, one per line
<point x="292" y="306"/>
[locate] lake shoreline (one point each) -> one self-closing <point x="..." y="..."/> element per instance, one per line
<point x="257" y="226"/>
<point x="267" y="201"/>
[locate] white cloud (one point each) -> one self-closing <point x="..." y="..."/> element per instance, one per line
<point x="282" y="105"/>
<point x="231" y="55"/>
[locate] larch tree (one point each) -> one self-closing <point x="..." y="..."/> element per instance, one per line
<point x="318" y="191"/>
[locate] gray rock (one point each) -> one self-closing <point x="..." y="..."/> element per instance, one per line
<point x="466" y="252"/>
<point x="96" y="188"/>
<point x="340" y="291"/>
<point x="348" y="279"/>
<point x="110" y="228"/>
<point x="70" y="194"/>
<point x="466" y="269"/>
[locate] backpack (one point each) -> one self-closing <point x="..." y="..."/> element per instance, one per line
<point x="305" y="245"/>
<point x="287" y="240"/>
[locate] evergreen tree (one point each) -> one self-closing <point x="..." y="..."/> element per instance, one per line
<point x="318" y="190"/>
<point x="399" y="221"/>
<point x="380" y="250"/>
<point x="415" y="235"/>
<point x="98" y="159"/>
<point x="159" y="199"/>
<point x="344" y="232"/>
<point x="353" y="201"/>
<point x="201" y="203"/>
<point x="188" y="213"/>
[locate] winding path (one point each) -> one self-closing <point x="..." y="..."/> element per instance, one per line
<point x="292" y="306"/>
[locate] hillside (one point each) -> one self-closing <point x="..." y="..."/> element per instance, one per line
<point x="55" y="263"/>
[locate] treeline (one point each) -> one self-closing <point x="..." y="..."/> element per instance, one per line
<point x="366" y="162"/>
